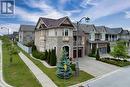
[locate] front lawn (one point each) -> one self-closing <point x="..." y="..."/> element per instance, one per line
<point x="17" y="74"/>
<point x="117" y="62"/>
<point x="51" y="72"/>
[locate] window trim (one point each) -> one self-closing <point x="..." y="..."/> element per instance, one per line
<point x="64" y="33"/>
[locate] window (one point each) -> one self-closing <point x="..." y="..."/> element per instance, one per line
<point x="55" y="33"/>
<point x="65" y="32"/>
<point x="89" y="36"/>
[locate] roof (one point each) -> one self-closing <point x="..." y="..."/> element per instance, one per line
<point x="27" y="28"/>
<point x="15" y="33"/>
<point x="125" y="32"/>
<point x="100" y="28"/>
<point x="113" y="30"/>
<point x="84" y="27"/>
<point x="51" y="23"/>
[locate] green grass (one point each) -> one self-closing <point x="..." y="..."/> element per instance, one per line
<point x="120" y="63"/>
<point x="83" y="76"/>
<point x="17" y="74"/>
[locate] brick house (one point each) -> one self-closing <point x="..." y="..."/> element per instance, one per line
<point x="54" y="34"/>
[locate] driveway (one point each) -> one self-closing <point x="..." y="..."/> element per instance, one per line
<point x="94" y="67"/>
<point x="117" y="79"/>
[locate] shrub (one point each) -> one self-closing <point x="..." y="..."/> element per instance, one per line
<point x="37" y="54"/>
<point x="30" y="44"/>
<point x="93" y="50"/>
<point x="73" y="67"/>
<point x="48" y="56"/>
<point x="53" y="58"/>
<point x="34" y="48"/>
<point x="91" y="55"/>
<point x="116" y="62"/>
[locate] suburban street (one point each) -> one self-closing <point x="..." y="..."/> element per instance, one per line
<point x="120" y="78"/>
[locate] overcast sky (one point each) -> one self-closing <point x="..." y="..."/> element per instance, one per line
<point x="111" y="13"/>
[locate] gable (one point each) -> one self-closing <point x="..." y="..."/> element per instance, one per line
<point x="66" y="22"/>
<point x="40" y="24"/>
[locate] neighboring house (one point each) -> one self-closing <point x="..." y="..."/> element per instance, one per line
<point x="26" y="34"/>
<point x="54" y="34"/>
<point x="15" y="36"/>
<point x="81" y="41"/>
<point x="124" y="35"/>
<point x="114" y="34"/>
<point x="92" y="37"/>
<point x="101" y="41"/>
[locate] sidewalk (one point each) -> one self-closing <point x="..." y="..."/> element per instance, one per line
<point x="41" y="77"/>
<point x="2" y="82"/>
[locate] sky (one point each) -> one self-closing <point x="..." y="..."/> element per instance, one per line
<point x="110" y="13"/>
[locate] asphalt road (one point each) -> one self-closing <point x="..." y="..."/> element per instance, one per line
<point x="120" y="78"/>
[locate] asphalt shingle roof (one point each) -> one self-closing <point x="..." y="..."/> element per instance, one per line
<point x="100" y="28"/>
<point x="125" y="32"/>
<point x="50" y="23"/>
<point x="86" y="28"/>
<point x="113" y="30"/>
<point x="27" y="28"/>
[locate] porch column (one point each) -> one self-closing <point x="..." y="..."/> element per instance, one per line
<point x="90" y="45"/>
<point x="126" y="44"/>
<point x="97" y="45"/>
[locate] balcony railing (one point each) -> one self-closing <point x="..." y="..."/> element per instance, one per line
<point x="65" y="39"/>
<point x="80" y="43"/>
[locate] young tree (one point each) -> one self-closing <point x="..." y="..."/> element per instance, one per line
<point x="46" y="54"/>
<point x="63" y="67"/>
<point x="119" y="51"/>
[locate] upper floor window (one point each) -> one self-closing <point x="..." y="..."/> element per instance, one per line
<point x="55" y="33"/>
<point x="65" y="32"/>
<point x="89" y="36"/>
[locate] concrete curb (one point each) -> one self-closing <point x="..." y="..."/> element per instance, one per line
<point x="1" y="71"/>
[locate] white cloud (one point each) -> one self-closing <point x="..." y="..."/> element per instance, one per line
<point x="26" y="16"/>
<point x="46" y="11"/>
<point x="90" y="2"/>
<point x="127" y="14"/>
<point x="10" y="26"/>
<point x="107" y="7"/>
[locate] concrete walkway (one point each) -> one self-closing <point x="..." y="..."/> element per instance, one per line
<point x="94" y="67"/>
<point x="2" y="82"/>
<point x="41" y="77"/>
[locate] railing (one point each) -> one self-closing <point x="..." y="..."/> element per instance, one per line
<point x="79" y="43"/>
<point x="25" y="48"/>
<point x="66" y="39"/>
